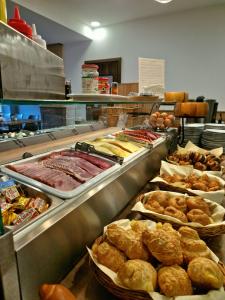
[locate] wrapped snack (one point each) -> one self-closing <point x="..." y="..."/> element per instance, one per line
<point x="9" y="190"/>
<point x="26" y="216"/>
<point x="40" y="204"/>
<point x="21" y="203"/>
<point x="9" y="217"/>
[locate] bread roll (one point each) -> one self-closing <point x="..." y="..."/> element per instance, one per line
<point x="55" y="292"/>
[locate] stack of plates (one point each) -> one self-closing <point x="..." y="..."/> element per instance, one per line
<point x="213" y="138"/>
<point x="192" y="132"/>
<point x="215" y="126"/>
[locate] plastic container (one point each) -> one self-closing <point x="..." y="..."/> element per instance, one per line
<point x="90" y="79"/>
<point x="103" y="85"/>
<point x="3" y="11"/>
<point x="19" y="24"/>
<point x="37" y="38"/>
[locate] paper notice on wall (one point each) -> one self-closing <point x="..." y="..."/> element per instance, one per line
<point x="151" y="75"/>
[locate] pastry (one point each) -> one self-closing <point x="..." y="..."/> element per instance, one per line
<point x="128" y="241"/>
<point x="154" y="205"/>
<point x="173" y="212"/>
<point x="192" y="246"/>
<point x="109" y="256"/>
<point x="179" y="202"/>
<point x="160" y="197"/>
<point x="200" y="166"/>
<point x="199" y="203"/>
<point x="174" y="281"/>
<point x="164" y="244"/>
<point x="205" y="273"/>
<point x="138" y="275"/>
<point x="55" y="292"/>
<point x="138" y="226"/>
<point x="199" y="186"/>
<point x="198" y="216"/>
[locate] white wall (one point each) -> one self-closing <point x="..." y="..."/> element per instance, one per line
<point x="191" y="42"/>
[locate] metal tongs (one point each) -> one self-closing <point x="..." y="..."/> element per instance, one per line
<point x="84" y="147"/>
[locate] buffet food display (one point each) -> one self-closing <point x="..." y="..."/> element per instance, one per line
<point x="20" y="203"/>
<point x="141" y="136"/>
<point x="161" y="121"/>
<point x="157" y="259"/>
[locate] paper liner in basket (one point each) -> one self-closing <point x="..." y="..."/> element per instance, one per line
<point x="211" y="295"/>
<point x="193" y="148"/>
<point x="171" y="169"/>
<point x="217" y="215"/>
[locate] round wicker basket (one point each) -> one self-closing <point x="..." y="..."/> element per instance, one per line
<point x="120" y="292"/>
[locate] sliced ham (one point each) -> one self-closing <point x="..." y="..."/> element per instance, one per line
<point x="51" y="177"/>
<point x="90" y="158"/>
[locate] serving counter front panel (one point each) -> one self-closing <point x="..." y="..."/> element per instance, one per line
<point x="47" y="251"/>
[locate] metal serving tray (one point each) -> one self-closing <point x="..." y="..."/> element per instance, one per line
<point x="34" y="192"/>
<point x="83" y="188"/>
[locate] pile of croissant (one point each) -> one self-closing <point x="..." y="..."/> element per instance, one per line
<point x="186" y="209"/>
<point x="193" y="181"/>
<point x="200" y="161"/>
<point x="174" y="263"/>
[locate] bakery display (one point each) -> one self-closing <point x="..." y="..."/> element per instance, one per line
<point x="183" y="208"/>
<point x="193" y="182"/>
<point x="174" y="281"/>
<point x="137" y="274"/>
<point x="205" y="273"/>
<point x="175" y="259"/>
<point x="200" y="161"/>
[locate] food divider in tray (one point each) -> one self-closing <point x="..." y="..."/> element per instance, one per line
<point x="21" y="204"/>
<point x="66" y="173"/>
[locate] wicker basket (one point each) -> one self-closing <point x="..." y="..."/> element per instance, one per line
<point x="120" y="292"/>
<point x="202" y="231"/>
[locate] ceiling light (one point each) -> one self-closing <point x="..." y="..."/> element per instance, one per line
<point x="95" y="24"/>
<point x="163" y="1"/>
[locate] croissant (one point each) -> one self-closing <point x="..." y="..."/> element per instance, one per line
<point x="198" y="203"/>
<point x="174" y="281"/>
<point x="176" y="213"/>
<point x="205" y="273"/>
<point x="192" y="245"/>
<point x="160" y="197"/>
<point x="164" y="244"/>
<point x="178" y="202"/>
<point x="128" y="241"/>
<point x="55" y="292"/>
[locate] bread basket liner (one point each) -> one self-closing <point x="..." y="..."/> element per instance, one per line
<point x="171" y="169"/>
<point x="193" y="148"/>
<point x="125" y="223"/>
<point x="217" y="215"/>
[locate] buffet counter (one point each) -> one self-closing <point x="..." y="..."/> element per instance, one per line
<point x="55" y="242"/>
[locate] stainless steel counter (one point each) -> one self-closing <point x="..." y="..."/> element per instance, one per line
<point x="48" y="249"/>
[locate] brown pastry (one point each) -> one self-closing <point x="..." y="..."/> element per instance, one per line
<point x="109" y="256"/>
<point x="198" y="216"/>
<point x="154" y="205"/>
<point x="199" y="203"/>
<point x="179" y="202"/>
<point x="138" y="275"/>
<point x="164" y="244"/>
<point x="200" y="186"/>
<point x="205" y="273"/>
<point x="173" y="212"/>
<point x="200" y="166"/>
<point x="55" y="292"/>
<point x="192" y="246"/>
<point x="160" y="197"/>
<point x="174" y="281"/>
<point x="213" y="185"/>
<point x="128" y="241"/>
<point x="138" y="226"/>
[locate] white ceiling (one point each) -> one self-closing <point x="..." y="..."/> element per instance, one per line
<point x="116" y="11"/>
<point x="64" y="20"/>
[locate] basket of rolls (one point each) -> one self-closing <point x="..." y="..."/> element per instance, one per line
<point x="199" y="158"/>
<point x="205" y="216"/>
<point x="137" y="260"/>
<point x="187" y="178"/>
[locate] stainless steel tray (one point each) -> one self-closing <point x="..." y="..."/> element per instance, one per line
<point x="34" y="192"/>
<point x="83" y="188"/>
